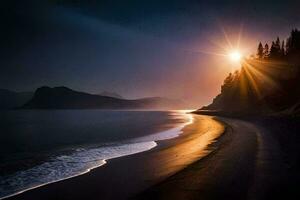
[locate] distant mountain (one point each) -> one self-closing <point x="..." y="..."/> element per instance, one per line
<point x="66" y="98"/>
<point x="110" y="94"/>
<point x="10" y="99"/>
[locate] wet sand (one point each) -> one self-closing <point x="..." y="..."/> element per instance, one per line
<point x="126" y="177"/>
<point x="248" y="163"/>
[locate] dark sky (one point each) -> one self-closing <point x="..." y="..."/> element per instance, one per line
<point x="135" y="48"/>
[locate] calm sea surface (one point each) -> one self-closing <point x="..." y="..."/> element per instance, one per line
<point x="40" y="147"/>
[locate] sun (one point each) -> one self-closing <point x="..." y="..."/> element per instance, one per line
<point x="235" y="56"/>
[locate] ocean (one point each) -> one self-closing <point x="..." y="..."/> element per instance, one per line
<point x="38" y="147"/>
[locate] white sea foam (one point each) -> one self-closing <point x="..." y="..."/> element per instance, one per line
<point x="80" y="162"/>
<point x="66" y="166"/>
<point x="167" y="134"/>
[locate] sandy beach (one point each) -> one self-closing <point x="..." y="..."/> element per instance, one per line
<point x="248" y="163"/>
<point x="214" y="158"/>
<point x="137" y="172"/>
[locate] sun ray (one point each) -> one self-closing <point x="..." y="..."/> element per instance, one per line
<point x="253" y="83"/>
<point x="226" y="38"/>
<point x="262" y="78"/>
<point x="240" y="36"/>
<point x="213" y="53"/>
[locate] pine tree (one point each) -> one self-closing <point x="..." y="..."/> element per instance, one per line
<point x="282" y="50"/>
<point x="260" y="51"/>
<point x="273" y="50"/>
<point x="277" y="43"/>
<point x="266" y="51"/>
<point x="293" y="43"/>
<point x="227" y="83"/>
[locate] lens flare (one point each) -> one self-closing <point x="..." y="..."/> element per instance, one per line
<point x="235" y="56"/>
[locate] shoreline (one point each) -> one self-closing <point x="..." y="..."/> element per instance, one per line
<point x="257" y="158"/>
<point x="226" y="173"/>
<point x="162" y="152"/>
<point x="152" y="141"/>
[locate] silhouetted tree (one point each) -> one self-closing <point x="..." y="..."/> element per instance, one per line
<point x="277" y="43"/>
<point x="260" y="51"/>
<point x="266" y="51"/>
<point x="227" y="82"/>
<point x="278" y="48"/>
<point x="275" y="51"/>
<point x="272" y="50"/>
<point x="293" y="43"/>
<point x="282" y="49"/>
<point x="245" y="91"/>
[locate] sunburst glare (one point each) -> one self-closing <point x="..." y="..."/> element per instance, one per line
<point x="235" y="56"/>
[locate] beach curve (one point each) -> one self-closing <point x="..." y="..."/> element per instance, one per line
<point x="239" y="168"/>
<point x="149" y="167"/>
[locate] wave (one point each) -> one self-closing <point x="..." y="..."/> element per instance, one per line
<point x="168" y="134"/>
<point x="80" y="161"/>
<point x="66" y="166"/>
